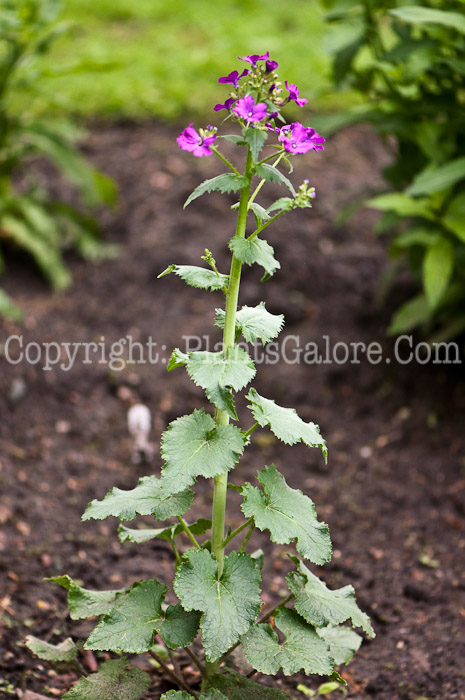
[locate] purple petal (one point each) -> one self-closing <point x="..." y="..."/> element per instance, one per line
<point x="227" y="105"/>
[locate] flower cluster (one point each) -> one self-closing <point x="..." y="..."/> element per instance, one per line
<point x="255" y="100"/>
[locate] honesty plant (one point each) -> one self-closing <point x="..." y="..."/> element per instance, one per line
<point x="218" y="590"/>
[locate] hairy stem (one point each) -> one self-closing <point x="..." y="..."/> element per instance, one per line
<point x="229" y="337"/>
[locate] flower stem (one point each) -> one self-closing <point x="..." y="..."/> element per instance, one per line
<point x="225" y="160"/>
<point x="229" y="337"/>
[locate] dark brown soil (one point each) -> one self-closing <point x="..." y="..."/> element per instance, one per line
<point x="393" y="492"/>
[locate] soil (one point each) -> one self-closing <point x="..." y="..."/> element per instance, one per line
<point x="392" y="493"/>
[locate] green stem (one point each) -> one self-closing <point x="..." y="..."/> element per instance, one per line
<point x="237" y="531"/>
<point x="247" y="537"/>
<point x="262" y="182"/>
<point x="225" y="160"/>
<point x="267" y="223"/>
<point x="250" y="430"/>
<point x="188" y="532"/>
<point x="229" y="337"/>
<point x="196" y="661"/>
<point x="179" y="681"/>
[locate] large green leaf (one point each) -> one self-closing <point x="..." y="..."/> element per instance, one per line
<point x="302" y="649"/>
<point x="83" y="603"/>
<point x="427" y="15"/>
<point x="438" y="178"/>
<point x="218" y="374"/>
<point x="253" y="251"/>
<point x="127" y="534"/>
<point x="410" y="315"/>
<point x="254" y="322"/>
<point x="229" y="603"/>
<point x="342" y="642"/>
<point x="115" y="680"/>
<point x="65" y="651"/>
<point x="228" y="182"/>
<point x="235" y="686"/>
<point x="255" y="138"/>
<point x="131" y="624"/>
<point x="401" y="204"/>
<point x="438" y="265"/>
<point x="454" y="217"/>
<point x="195" y="446"/>
<point x="288" y="515"/>
<point x="149" y="497"/>
<point x="198" y="277"/>
<point x="285" y="423"/>
<point x="320" y="606"/>
<point x="272" y="174"/>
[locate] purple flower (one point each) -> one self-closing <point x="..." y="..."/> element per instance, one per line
<point x="248" y="110"/>
<point x="254" y="58"/>
<point x="270" y="66"/>
<point x="227" y="105"/>
<point x="294" y="94"/>
<point x="296" y="138"/>
<point x="190" y="140"/>
<point x="233" y="78"/>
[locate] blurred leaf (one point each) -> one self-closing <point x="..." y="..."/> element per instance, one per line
<point x="426" y="15"/>
<point x="8" y="308"/>
<point x="454" y="217"/>
<point x="435" y="179"/>
<point x="65" y="651"/>
<point x="410" y="315"/>
<point x="437" y="270"/>
<point x="401" y="204"/>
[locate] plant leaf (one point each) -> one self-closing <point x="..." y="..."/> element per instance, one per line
<point x="410" y="315"/>
<point x="254" y="322"/>
<point x="320" y="606"/>
<point x="255" y="251"/>
<point x="218" y="374"/>
<point x="65" y="651"/>
<point x="212" y="694"/>
<point x="288" y="515"/>
<point x="285" y="423"/>
<point x="149" y="497"/>
<point x="8" y="308"/>
<point x="272" y="174"/>
<point x="438" y="178"/>
<point x="425" y="15"/>
<point x="198" y="277"/>
<point x="179" y="627"/>
<point x="260" y="213"/>
<point x="83" y="603"/>
<point x="454" y="218"/>
<point x="113" y="681"/>
<point x="255" y="138"/>
<point x="127" y="534"/>
<point x="438" y="265"/>
<point x="302" y="648"/>
<point x="235" y="686"/>
<point x="130" y="625"/>
<point x="342" y="642"/>
<point x="230" y="603"/>
<point x="228" y="182"/>
<point x="195" y="445"/>
<point x="177" y="359"/>
<point x="401" y="204"/>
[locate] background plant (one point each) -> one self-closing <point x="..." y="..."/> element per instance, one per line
<point x="408" y="62"/>
<point x="29" y="217"/>
<point x="218" y="590"/>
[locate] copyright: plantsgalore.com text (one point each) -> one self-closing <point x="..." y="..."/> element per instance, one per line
<point x="291" y="350"/>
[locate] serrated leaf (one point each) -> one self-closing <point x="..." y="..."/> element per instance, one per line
<point x="255" y="138"/>
<point x="198" y="277"/>
<point x="254" y="322"/>
<point x="288" y="515"/>
<point x="343" y="643"/>
<point x="272" y="174"/>
<point x="235" y="686"/>
<point x="115" y="680"/>
<point x="177" y="359"/>
<point x="260" y="212"/>
<point x="228" y="182"/>
<point x="438" y="265"/>
<point x="195" y="445"/>
<point x="65" y="651"/>
<point x="179" y="627"/>
<point x="229" y="603"/>
<point x="282" y="204"/>
<point x="127" y="534"/>
<point x="131" y="624"/>
<point x="218" y="374"/>
<point x="253" y="251"/>
<point x="83" y="603"/>
<point x="302" y="648"/>
<point x="320" y="606"/>
<point x="149" y="497"/>
<point x="285" y="423"/>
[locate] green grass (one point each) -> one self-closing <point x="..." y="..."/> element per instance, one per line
<point x="166" y="56"/>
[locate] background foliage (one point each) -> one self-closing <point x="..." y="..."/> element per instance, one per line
<point x="408" y="63"/>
